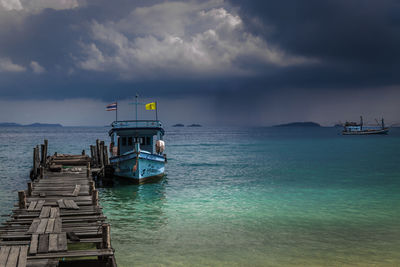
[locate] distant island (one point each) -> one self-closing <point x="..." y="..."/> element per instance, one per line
<point x="178" y="125"/>
<point x="36" y="124"/>
<point x="194" y="125"/>
<point x="299" y="124"/>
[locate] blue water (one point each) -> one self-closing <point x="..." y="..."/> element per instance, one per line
<point x="243" y="197"/>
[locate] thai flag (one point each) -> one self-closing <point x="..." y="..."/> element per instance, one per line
<point x="111" y="107"/>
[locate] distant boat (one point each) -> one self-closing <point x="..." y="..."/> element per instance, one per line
<point x="354" y="128"/>
<point x="178" y="125"/>
<point x="136" y="148"/>
<point x="194" y="125"/>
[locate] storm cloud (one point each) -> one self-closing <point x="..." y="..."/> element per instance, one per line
<point x="246" y="62"/>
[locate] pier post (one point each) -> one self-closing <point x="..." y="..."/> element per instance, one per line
<point x="88" y="169"/>
<point x="30" y="189"/>
<point x="83" y="152"/>
<point x="105" y="227"/>
<point x="34" y="163"/>
<point x="21" y="200"/>
<point x="41" y="172"/>
<point x="46" y="145"/>
<point x="42" y="157"/>
<point x="98" y="153"/>
<point x="91" y="187"/>
<point x="95" y="197"/>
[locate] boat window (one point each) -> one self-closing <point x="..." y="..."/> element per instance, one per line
<point x="124" y="141"/>
<point x="148" y="140"/>
<point x="130" y="141"/>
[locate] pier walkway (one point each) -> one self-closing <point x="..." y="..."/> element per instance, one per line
<point x="58" y="220"/>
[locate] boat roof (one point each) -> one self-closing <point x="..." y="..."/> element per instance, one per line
<point x="135" y="126"/>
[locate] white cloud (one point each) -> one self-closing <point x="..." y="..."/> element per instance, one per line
<point x="6" y="65"/>
<point x="179" y="38"/>
<point x="36" y="68"/>
<point x="11" y="4"/>
<point x="38" y="5"/>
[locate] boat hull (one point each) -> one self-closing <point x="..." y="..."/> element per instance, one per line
<point x="383" y="131"/>
<point x="139" y="169"/>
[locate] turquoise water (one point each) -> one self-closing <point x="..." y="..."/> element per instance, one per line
<point x="243" y="197"/>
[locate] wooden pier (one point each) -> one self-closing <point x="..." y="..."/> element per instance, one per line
<point x="58" y="220"/>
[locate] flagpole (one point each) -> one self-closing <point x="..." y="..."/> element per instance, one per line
<point x="136" y="109"/>
<point x="116" y="112"/>
<point x="156" y="111"/>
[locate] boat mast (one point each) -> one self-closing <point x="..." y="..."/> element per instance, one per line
<point x="361" y="122"/>
<point x="136" y="109"/>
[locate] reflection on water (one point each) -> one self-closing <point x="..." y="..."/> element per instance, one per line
<point x="135" y="209"/>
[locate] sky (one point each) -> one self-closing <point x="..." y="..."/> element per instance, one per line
<point x="250" y="63"/>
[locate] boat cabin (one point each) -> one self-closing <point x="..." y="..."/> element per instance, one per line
<point x="126" y="136"/>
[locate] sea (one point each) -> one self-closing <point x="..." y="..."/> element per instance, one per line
<point x="235" y="196"/>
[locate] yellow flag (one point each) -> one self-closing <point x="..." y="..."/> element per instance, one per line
<point x="151" y="106"/>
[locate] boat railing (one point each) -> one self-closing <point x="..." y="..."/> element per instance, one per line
<point x="137" y="123"/>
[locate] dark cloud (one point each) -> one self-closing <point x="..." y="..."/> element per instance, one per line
<point x="108" y="50"/>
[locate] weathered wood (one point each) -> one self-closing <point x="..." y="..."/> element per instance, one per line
<point x="32" y="205"/>
<point x="106" y="235"/>
<point x="42" y="194"/>
<point x="30" y="188"/>
<point x="45" y="213"/>
<point x="76" y="190"/>
<point x="41" y="172"/>
<point x="88" y="169"/>
<point x="57" y="225"/>
<point x="46" y="146"/>
<point x="43" y="243"/>
<point x="42" y="226"/>
<point x="34" y="168"/>
<point x="54" y="212"/>
<point x="34" y="244"/>
<point x="70" y="204"/>
<point x="4" y="255"/>
<point x="95" y="197"/>
<point x="13" y="256"/>
<point x="53" y="242"/>
<point x="34" y="226"/>
<point x="98" y="153"/>
<point x="50" y="226"/>
<point x="105" y="156"/>
<point x="39" y="204"/>
<point x="21" y="199"/>
<point x="42" y="156"/>
<point x="23" y="254"/>
<point x="62" y="242"/>
<point x="91" y="187"/>
<point x="61" y="204"/>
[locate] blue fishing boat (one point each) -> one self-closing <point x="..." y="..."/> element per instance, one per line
<point x="354" y="128"/>
<point x="137" y="148"/>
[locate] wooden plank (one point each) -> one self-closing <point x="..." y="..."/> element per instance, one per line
<point x="57" y="225"/>
<point x="42" y="226"/>
<point x="70" y="204"/>
<point x="43" y="243"/>
<point x="34" y="244"/>
<point x="34" y="226"/>
<point x="50" y="226"/>
<point x="42" y="194"/>
<point x="62" y="242"/>
<point x="23" y="254"/>
<point x="4" y="255"/>
<point x="45" y="213"/>
<point x="61" y="204"/>
<point x="76" y="190"/>
<point x="73" y="253"/>
<point x="54" y="212"/>
<point x="32" y="205"/>
<point x="13" y="257"/>
<point x="39" y="204"/>
<point x="53" y="242"/>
